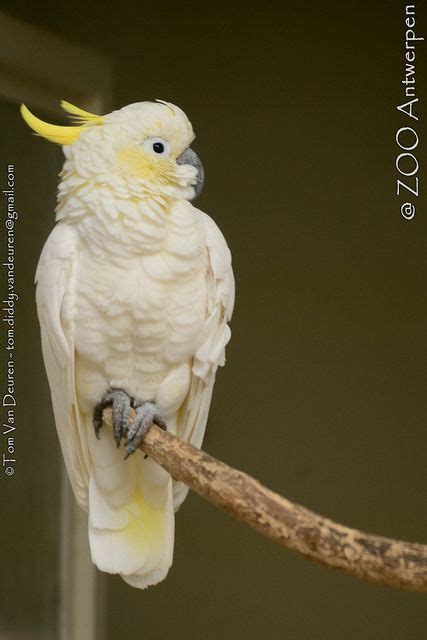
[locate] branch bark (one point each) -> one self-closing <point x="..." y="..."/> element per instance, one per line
<point x="378" y="559"/>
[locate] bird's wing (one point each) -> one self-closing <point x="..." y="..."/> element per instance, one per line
<point x="210" y="353"/>
<point x="55" y="305"/>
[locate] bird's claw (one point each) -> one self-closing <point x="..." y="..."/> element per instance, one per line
<point x="121" y="404"/>
<point x="147" y="414"/>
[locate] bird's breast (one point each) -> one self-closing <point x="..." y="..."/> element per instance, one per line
<point x="139" y="317"/>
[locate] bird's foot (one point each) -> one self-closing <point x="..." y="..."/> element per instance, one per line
<point x="146" y="414"/>
<point x="121" y="403"/>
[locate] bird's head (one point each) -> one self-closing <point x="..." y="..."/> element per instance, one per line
<point x="144" y="146"/>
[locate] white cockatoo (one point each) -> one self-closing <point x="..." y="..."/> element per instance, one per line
<point x="134" y="292"/>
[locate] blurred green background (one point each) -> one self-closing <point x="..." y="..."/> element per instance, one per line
<point x="323" y="396"/>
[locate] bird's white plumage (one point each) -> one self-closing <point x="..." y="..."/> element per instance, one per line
<point x="55" y="276"/>
<point x="135" y="290"/>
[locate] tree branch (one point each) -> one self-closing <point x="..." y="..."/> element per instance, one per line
<point x="381" y="560"/>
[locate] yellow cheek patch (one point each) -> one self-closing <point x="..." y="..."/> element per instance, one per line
<point x="139" y="164"/>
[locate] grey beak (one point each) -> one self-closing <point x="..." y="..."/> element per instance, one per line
<point x="190" y="157"/>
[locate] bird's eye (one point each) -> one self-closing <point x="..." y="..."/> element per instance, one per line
<point x="156" y="146"/>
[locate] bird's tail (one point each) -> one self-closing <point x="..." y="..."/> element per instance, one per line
<point x="131" y="516"/>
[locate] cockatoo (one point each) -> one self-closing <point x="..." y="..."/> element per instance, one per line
<point x="135" y="290"/>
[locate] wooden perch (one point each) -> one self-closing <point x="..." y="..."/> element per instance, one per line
<point x="382" y="560"/>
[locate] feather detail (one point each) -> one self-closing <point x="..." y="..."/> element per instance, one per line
<point x="57" y="133"/>
<point x="54" y="277"/>
<point x="134" y="535"/>
<point x="80" y="114"/>
<point x="210" y="353"/>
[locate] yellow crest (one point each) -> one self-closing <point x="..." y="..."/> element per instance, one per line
<point x="59" y="134"/>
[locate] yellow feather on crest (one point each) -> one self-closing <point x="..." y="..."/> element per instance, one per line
<point x="61" y="134"/>
<point x="80" y="114"/>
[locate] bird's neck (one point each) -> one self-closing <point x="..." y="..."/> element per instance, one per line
<point x="113" y="218"/>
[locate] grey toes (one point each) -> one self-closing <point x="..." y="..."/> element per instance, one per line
<point x="97" y="419"/>
<point x="146" y="414"/>
<point x="121" y="403"/>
